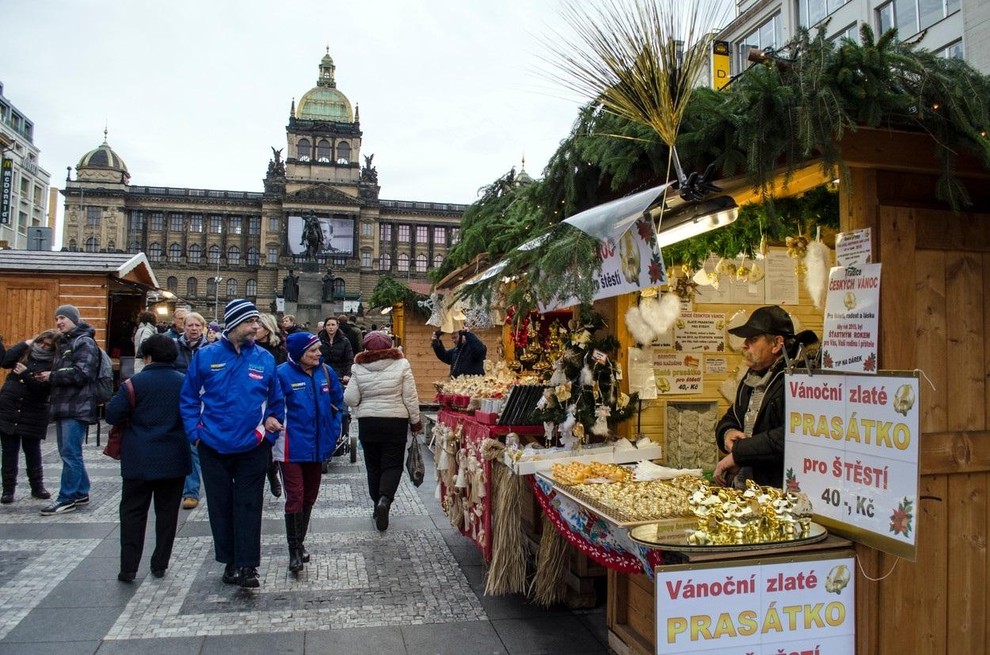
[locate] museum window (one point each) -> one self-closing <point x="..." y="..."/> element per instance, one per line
<point x="254" y="225"/>
<point x="455" y="235"/>
<point x="437" y="261"/>
<point x="92" y="244"/>
<point x="385" y="262"/>
<point x="174" y="252"/>
<point x="367" y="229"/>
<point x="339" y="288"/>
<point x="211" y="287"/>
<point x="213" y="254"/>
<point x="365" y="259"/>
<point x="439" y="236"/>
<point x="273" y="255"/>
<point x="195" y="254"/>
<point x="216" y="224"/>
<point x="93" y="215"/>
<point x="273" y="224"/>
<point x="323" y="151"/>
<point x="234" y="224"/>
<point x="251" y="288"/>
<point x="233" y="256"/>
<point x="157" y="221"/>
<point x="343" y="153"/>
<point x="252" y="256"/>
<point x="134" y="247"/>
<point x="422" y="234"/>
<point x="191" y="285"/>
<point x="175" y="222"/>
<point x="421" y="263"/>
<point x="232" y="288"/>
<point x="172" y="284"/>
<point x="403" y="263"/>
<point x="137" y="221"/>
<point x="155" y="252"/>
<point x="767" y="35"/>
<point x="304" y="148"/>
<point x="403" y="234"/>
<point x="386" y="232"/>
<point x="196" y="223"/>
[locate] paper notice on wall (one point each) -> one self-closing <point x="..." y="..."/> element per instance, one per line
<point x="781" y="280"/>
<point x="677" y="373"/>
<point x="641" y="379"/>
<point x="699" y="332"/>
<point x="716" y="365"/>
<point x="852" y="319"/>
<point x="854" y="248"/>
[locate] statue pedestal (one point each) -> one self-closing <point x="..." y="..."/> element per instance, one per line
<point x="310" y="307"/>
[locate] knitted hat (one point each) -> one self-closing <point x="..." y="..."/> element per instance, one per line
<point x="237" y="311"/>
<point x="298" y="343"/>
<point x="214" y="326"/>
<point x="377" y="340"/>
<point x="68" y="311"/>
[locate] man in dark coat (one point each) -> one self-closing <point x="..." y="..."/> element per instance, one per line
<point x="352" y="333"/>
<point x="467" y="357"/>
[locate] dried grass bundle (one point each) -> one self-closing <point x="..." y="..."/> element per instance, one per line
<point x="551" y="565"/>
<point x="507" y="572"/>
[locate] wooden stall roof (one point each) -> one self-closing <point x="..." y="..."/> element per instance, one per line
<point x="129" y="267"/>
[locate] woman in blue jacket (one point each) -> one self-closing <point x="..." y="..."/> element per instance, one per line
<point x="313" y="398"/>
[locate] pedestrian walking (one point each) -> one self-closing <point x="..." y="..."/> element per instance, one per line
<point x="382" y="396"/>
<point x="146" y="327"/>
<point x="232" y="409"/>
<point x="268" y="338"/>
<point x="313" y="398"/>
<point x="192" y="339"/>
<point x="24" y="412"/>
<point x="154" y="456"/>
<point x="73" y="404"/>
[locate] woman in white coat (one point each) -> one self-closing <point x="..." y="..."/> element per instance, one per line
<point x="382" y="396"/>
<point x="146" y="328"/>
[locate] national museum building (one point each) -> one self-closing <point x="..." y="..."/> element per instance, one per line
<point x="253" y="241"/>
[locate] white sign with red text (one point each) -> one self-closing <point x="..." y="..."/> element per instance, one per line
<point x="851" y="444"/>
<point x="777" y="606"/>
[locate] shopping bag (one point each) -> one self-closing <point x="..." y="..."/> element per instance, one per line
<point x="414" y="463"/>
<point x="116" y="435"/>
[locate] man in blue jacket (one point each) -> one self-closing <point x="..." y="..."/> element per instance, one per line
<point x="467" y="357"/>
<point x="232" y="409"/>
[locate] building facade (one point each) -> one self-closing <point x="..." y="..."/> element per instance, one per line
<point x="23" y="182"/>
<point x="954" y="28"/>
<point x="208" y="245"/>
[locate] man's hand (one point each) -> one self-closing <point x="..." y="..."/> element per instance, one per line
<point x="731" y="437"/>
<point x="436" y="334"/>
<point x="42" y="376"/>
<point x="272" y="424"/>
<point x="725" y="470"/>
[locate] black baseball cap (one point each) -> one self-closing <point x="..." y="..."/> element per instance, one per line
<point x="765" y="320"/>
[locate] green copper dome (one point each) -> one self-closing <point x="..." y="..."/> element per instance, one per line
<point x="324" y="102"/>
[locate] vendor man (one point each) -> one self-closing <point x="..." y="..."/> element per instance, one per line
<point x="752" y="430"/>
<point x="467" y="357"/>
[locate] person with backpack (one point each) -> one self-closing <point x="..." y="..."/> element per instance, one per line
<point x="74" y="379"/>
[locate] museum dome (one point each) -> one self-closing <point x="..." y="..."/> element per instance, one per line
<point x="103" y="157"/>
<point x="324" y="102"/>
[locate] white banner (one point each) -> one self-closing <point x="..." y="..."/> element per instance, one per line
<point x="770" y="606"/>
<point x="852" y="319"/>
<point x="852" y="447"/>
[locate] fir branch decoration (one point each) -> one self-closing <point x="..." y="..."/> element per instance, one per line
<point x="389" y="292"/>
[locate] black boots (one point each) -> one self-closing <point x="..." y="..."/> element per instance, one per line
<point x="35" y="476"/>
<point x="292" y="524"/>
<point x="381" y="513"/>
<point x="246" y="577"/>
<point x="303" y="529"/>
<point x="273" y="481"/>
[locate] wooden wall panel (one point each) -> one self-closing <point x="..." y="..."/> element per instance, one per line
<point x="967" y="557"/>
<point x="28" y="304"/>
<point x="897" y="297"/>
<point x="89" y="293"/>
<point x="930" y="332"/>
<point x="967" y="383"/>
<point x="986" y="333"/>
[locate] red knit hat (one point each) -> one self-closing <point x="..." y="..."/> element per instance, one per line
<point x="377" y="340"/>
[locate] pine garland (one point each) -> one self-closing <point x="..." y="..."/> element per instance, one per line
<point x="389" y="292"/>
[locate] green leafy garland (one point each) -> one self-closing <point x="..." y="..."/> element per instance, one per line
<point x="389" y="292"/>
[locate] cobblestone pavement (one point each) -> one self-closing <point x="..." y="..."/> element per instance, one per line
<point x="417" y="588"/>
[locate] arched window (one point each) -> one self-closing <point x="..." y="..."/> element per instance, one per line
<point x="420" y="263"/>
<point x="437" y="261"/>
<point x="211" y="287"/>
<point x="213" y="254"/>
<point x="195" y="253"/>
<point x="192" y="285"/>
<point x="403" y="262"/>
<point x="385" y="262"/>
<point x="252" y="257"/>
<point x="155" y="252"/>
<point x="92" y="244"/>
<point x="343" y="152"/>
<point x="304" y="149"/>
<point x="233" y="256"/>
<point x="339" y="287"/>
<point x="232" y="288"/>
<point x="174" y="252"/>
<point x="251" y="288"/>
<point x="172" y="284"/>
<point x="323" y="151"/>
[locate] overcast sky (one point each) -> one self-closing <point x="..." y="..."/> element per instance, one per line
<point x="195" y="92"/>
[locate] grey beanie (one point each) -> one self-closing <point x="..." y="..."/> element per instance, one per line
<point x="68" y="311"/>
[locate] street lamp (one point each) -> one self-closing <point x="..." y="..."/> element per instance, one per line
<point x="216" y="291"/>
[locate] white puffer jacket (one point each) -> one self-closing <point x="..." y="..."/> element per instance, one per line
<point x="382" y="386"/>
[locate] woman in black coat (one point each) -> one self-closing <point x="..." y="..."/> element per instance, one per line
<point x="154" y="456"/>
<point x="24" y="411"/>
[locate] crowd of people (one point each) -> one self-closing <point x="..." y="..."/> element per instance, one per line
<point x="214" y="410"/>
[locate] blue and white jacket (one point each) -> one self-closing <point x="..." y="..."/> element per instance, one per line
<point x="313" y="407"/>
<point x="227" y="396"/>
